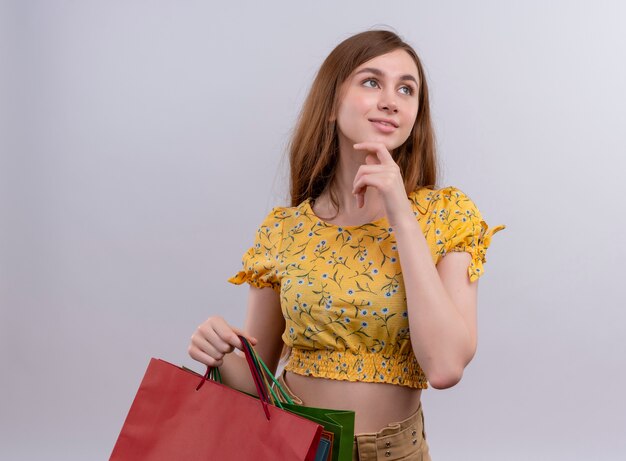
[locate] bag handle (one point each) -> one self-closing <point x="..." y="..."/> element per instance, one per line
<point x="263" y="370"/>
<point x="266" y="373"/>
<point x="213" y="372"/>
<point x="258" y="380"/>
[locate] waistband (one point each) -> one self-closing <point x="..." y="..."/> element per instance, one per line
<point x="396" y="441"/>
<point x="372" y="367"/>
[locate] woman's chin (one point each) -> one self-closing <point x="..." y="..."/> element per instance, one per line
<point x="390" y="144"/>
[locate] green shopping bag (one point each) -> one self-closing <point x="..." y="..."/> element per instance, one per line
<point x="338" y="423"/>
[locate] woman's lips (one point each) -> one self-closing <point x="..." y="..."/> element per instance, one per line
<point x="384" y="127"/>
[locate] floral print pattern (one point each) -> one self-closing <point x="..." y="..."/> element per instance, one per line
<point x="341" y="288"/>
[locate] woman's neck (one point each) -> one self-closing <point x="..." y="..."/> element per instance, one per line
<point x="343" y="182"/>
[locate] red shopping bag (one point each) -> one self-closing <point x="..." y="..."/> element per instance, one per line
<point x="178" y="415"/>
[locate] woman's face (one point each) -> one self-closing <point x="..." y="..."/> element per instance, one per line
<point x="379" y="101"/>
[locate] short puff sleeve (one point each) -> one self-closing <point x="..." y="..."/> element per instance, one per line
<point x="463" y="229"/>
<point x="261" y="260"/>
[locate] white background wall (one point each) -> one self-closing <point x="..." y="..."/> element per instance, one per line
<point x="142" y="143"/>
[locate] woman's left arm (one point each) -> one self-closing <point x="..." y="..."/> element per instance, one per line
<point x="441" y="300"/>
<point x="441" y="304"/>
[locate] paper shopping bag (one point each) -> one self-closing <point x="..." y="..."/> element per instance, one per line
<point x="174" y="418"/>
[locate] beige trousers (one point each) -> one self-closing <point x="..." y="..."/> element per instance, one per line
<point x="402" y="440"/>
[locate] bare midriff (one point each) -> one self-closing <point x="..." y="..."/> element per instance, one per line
<point x="375" y="404"/>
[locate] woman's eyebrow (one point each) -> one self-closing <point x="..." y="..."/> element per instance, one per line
<point x="380" y="73"/>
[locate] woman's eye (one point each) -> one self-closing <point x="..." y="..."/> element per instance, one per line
<point x="407" y="90"/>
<point x="374" y="83"/>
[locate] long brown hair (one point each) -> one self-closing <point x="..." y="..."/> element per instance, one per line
<point x="314" y="147"/>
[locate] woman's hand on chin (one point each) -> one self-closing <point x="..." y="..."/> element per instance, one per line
<point x="382" y="172"/>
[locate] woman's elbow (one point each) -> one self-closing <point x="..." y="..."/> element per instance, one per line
<point x="444" y="374"/>
<point x="445" y="380"/>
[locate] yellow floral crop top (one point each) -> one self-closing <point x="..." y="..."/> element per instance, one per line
<point x="341" y="288"/>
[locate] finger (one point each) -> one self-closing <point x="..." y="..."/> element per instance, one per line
<point x="378" y="148"/>
<point x="359" y="193"/>
<point x="204" y="358"/>
<point x="250" y="338"/>
<point x="372" y="160"/>
<point x="379" y="182"/>
<point x="360" y="199"/>
<point x="366" y="169"/>
<point x="363" y="183"/>
<point x="360" y="190"/>
<point x="201" y="349"/>
<point x="216" y="334"/>
<point x="209" y="342"/>
<point x="227" y="334"/>
<point x="211" y="350"/>
<point x="231" y="335"/>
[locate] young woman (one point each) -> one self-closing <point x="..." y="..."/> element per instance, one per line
<point x="367" y="282"/>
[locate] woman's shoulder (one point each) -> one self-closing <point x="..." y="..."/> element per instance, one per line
<point x="279" y="214"/>
<point x="423" y="198"/>
<point x="430" y="192"/>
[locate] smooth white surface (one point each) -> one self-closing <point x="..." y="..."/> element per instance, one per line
<point x="143" y="142"/>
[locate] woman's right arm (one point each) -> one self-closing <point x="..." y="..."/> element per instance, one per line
<point x="214" y="340"/>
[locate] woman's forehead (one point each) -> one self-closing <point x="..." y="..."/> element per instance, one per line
<point x="397" y="63"/>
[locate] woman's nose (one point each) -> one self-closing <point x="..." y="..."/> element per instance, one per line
<point x="387" y="103"/>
